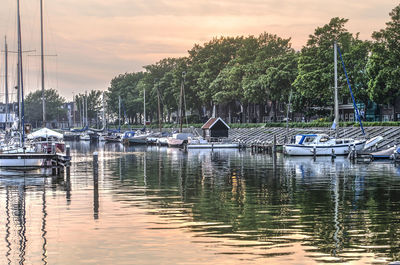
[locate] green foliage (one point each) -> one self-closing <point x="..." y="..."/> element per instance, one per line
<point x="34" y="109"/>
<point x="94" y="103"/>
<point x="242" y="71"/>
<point x="383" y="67"/>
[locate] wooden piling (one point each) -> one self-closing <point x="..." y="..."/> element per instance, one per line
<point x="95" y="165"/>
<point x="274" y="146"/>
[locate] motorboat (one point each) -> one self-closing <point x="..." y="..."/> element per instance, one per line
<point x="178" y="139"/>
<point x="321" y="144"/>
<point x="200" y="142"/>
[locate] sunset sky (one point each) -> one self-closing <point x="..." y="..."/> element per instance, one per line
<point x="95" y="40"/>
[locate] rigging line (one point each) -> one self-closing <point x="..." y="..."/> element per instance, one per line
<point x="351" y="92"/>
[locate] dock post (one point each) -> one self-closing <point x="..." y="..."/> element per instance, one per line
<point x="314" y="151"/>
<point x="274" y="147"/>
<point x="68" y="150"/>
<point x="95" y="185"/>
<point x="95" y="164"/>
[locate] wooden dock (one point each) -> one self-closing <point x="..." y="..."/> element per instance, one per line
<point x="56" y="161"/>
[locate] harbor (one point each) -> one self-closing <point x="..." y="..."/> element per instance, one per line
<point x="218" y="132"/>
<point x="152" y="203"/>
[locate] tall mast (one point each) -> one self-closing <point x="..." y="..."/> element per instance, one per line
<point x="144" y="107"/>
<point x="181" y="102"/>
<point x="42" y="61"/>
<point x="336" y="92"/>
<point x="104" y="114"/>
<point x="119" y="113"/>
<point x="85" y="111"/>
<point x="159" y="107"/>
<point x="21" y="76"/>
<point x="6" y="79"/>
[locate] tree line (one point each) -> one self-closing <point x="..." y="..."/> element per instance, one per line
<point x="237" y="73"/>
<point x="249" y="77"/>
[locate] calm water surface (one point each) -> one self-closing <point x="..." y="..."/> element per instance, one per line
<point x="162" y="206"/>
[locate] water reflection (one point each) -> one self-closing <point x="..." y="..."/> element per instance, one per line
<point x="161" y="205"/>
<point x="324" y="207"/>
<point x="14" y="186"/>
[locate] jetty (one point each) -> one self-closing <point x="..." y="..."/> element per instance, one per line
<point x="56" y="161"/>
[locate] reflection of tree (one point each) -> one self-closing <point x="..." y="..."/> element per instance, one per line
<point x="329" y="208"/>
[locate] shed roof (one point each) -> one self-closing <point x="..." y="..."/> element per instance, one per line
<point x="212" y="121"/>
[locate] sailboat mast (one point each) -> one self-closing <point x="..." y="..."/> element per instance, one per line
<point x="181" y="102"/>
<point x="336" y="92"/>
<point x="6" y="79"/>
<point x="119" y="113"/>
<point x="159" y="107"/>
<point x="42" y="62"/>
<point x="144" y="107"/>
<point x="20" y="77"/>
<point x="104" y="113"/>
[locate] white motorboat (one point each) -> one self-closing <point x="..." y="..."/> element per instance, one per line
<point x="200" y="143"/>
<point x="321" y="144"/>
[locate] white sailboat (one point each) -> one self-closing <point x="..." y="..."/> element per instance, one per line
<point x="322" y="144"/>
<point x="16" y="152"/>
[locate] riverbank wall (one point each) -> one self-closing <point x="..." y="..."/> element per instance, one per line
<point x="249" y="136"/>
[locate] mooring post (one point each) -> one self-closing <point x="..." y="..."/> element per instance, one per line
<point x="95" y="165"/>
<point x="314" y="151"/>
<point x="95" y="185"/>
<point x="274" y="147"/>
<point x="68" y="151"/>
<point x="68" y="185"/>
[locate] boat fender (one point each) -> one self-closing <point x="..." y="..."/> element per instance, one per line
<point x="398" y="150"/>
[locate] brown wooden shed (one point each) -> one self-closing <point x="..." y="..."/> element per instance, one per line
<point x="215" y="128"/>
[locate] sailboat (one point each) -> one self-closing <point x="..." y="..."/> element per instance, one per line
<point x="16" y="152"/>
<point x="180" y="139"/>
<point x="323" y="144"/>
<point x="138" y="137"/>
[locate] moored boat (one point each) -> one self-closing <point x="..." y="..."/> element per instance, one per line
<point x="321" y="144"/>
<point x="200" y="143"/>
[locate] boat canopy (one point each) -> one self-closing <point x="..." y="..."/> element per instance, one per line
<point x="45" y="133"/>
<point x="128" y="134"/>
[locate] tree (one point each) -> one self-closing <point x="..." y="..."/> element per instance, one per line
<point x="315" y="79"/>
<point x="383" y="65"/>
<point x="94" y="104"/>
<point x="54" y="106"/>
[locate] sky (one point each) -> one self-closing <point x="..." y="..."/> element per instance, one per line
<point x="89" y="42"/>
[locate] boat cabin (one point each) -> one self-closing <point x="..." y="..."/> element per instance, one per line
<point x="215" y="128"/>
<point x="310" y="139"/>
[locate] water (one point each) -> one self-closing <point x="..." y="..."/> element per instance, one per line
<point x="162" y="206"/>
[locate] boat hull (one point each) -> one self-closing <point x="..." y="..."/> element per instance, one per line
<point x="213" y="145"/>
<point x="21" y="162"/>
<point x="308" y="150"/>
